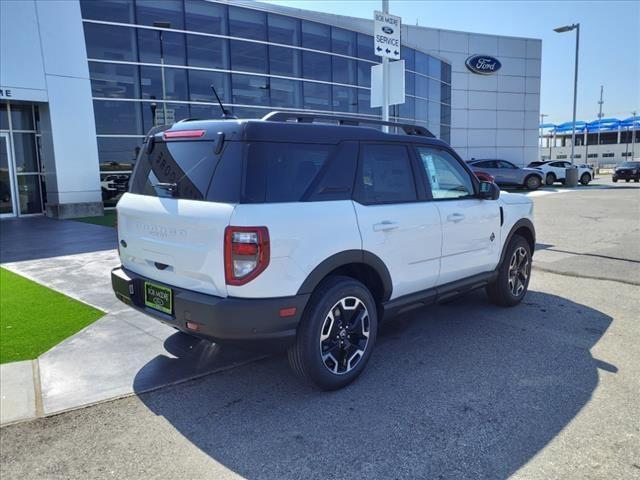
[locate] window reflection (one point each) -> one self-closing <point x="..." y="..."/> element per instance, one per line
<point x="206" y="17"/>
<point x="317" y="96"/>
<point x="149" y="11"/>
<point x="173" y="45"/>
<point x="343" y="41"/>
<point x="175" y="85"/>
<point x="207" y="52"/>
<point x="316" y="36"/>
<point x="316" y="66"/>
<point x="114" y="80"/>
<point x="284" y="61"/>
<point x="285" y="30"/>
<point x="249" y="90"/>
<point x="247" y="23"/>
<point x="248" y="56"/>
<point x="285" y="93"/>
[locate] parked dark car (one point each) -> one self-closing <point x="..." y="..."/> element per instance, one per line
<point x="508" y="174"/>
<point x="627" y="171"/>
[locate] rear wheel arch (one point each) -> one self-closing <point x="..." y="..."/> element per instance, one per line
<point x="361" y="265"/>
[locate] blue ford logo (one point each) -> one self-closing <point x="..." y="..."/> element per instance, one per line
<point x="483" y="64"/>
<point x="387" y="30"/>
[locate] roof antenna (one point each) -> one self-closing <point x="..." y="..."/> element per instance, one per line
<point x="225" y="113"/>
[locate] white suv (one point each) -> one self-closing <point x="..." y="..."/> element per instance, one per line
<point x="307" y="235"/>
<point x="556" y="171"/>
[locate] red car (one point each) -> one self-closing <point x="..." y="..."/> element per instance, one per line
<point x="485" y="177"/>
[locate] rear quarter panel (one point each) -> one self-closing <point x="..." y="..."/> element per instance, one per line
<point x="302" y="235"/>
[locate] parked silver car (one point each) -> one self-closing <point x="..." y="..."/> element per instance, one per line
<point x="508" y="174"/>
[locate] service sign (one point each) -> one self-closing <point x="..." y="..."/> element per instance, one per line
<point x="386" y="35"/>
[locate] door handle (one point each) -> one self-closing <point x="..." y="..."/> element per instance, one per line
<point x="385" y="226"/>
<point x="455" y="217"/>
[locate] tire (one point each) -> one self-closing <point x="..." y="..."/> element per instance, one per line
<point x="585" y="178"/>
<point x="615" y="180"/>
<point x="636" y="180"/>
<point x="342" y="361"/>
<point x="550" y="179"/>
<point x="509" y="289"/>
<point x="532" y="182"/>
<point x="627" y="180"/>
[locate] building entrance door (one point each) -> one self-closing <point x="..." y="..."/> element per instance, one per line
<point x="7" y="187"/>
<point x="21" y="188"/>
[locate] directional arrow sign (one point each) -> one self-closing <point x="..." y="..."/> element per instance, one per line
<point x="386" y="35"/>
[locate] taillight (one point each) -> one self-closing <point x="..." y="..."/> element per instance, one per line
<point x="170" y="135"/>
<point x="246" y="253"/>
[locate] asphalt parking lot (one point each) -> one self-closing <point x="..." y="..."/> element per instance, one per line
<point x="461" y="390"/>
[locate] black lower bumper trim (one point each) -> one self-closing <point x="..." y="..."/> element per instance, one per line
<point x="246" y="322"/>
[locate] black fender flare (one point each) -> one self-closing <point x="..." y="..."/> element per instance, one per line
<point x="345" y="258"/>
<point x="523" y="222"/>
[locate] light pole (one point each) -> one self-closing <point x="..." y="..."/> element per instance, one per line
<point x="164" y="88"/>
<point x="385" y="79"/>
<point x="633" y="134"/>
<point x="542" y="115"/>
<point x="568" y="28"/>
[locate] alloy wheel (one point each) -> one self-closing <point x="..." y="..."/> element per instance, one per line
<point x="344" y="335"/>
<point x="519" y="269"/>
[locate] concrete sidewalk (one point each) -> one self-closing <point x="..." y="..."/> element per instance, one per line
<point x="122" y="353"/>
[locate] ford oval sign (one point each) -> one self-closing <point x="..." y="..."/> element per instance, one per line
<point x="387" y="30"/>
<point x="483" y="64"/>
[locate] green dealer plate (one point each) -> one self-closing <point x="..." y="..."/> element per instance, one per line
<point x="159" y="298"/>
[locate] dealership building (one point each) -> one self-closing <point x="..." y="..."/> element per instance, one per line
<point x="81" y="81"/>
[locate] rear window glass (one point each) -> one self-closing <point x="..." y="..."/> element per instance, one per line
<point x="185" y="170"/>
<point x="282" y="172"/>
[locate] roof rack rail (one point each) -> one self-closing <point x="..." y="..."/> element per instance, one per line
<point x="278" y="116"/>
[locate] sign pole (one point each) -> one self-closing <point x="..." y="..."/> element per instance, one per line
<point x="385" y="79"/>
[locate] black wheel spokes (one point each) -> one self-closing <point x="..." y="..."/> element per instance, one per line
<point x="518" y="271"/>
<point x="344" y="335"/>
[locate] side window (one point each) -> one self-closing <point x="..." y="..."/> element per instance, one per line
<point x="282" y="172"/>
<point x="556" y="164"/>
<point x="448" y="179"/>
<point x="385" y="175"/>
<point x="484" y="164"/>
<point x="335" y="181"/>
<point x="504" y="164"/>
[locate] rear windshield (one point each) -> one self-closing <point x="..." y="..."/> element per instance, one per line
<point x="282" y="172"/>
<point x="535" y="164"/>
<point x="189" y="170"/>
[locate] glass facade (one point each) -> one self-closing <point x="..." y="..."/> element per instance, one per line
<point x="257" y="61"/>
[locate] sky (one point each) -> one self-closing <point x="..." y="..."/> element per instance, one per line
<point x="609" y="43"/>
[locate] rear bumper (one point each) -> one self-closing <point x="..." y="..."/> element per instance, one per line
<point x="254" y="323"/>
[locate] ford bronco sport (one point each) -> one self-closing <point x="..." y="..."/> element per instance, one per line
<point x="288" y="232"/>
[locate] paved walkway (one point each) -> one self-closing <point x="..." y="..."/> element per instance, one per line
<point x="124" y="352"/>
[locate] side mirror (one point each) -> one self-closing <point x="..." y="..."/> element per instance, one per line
<point x="489" y="191"/>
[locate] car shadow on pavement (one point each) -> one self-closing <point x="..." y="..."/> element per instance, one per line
<point x="462" y="390"/>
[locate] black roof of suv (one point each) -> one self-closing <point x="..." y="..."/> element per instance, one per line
<point x="272" y="128"/>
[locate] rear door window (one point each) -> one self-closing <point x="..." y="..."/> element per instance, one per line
<point x="385" y="175"/>
<point x="282" y="172"/>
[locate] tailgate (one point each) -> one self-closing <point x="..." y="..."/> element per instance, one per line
<point x="179" y="242"/>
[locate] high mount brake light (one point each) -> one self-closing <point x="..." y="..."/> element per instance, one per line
<point x="246" y="253"/>
<point x="180" y="134"/>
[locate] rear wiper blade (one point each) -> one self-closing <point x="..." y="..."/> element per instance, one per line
<point x="170" y="187"/>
